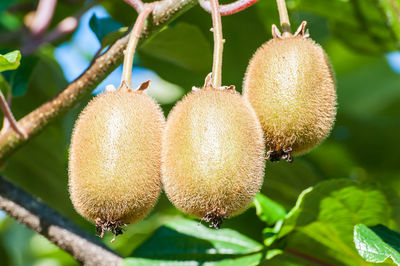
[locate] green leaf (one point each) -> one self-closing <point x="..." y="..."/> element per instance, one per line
<point x="107" y="30"/>
<point x="273" y="253"/>
<point x="10" y="61"/>
<point x="271" y="213"/>
<point x="249" y="260"/>
<point x="191" y="241"/>
<point x="377" y="243"/>
<point x="150" y="262"/>
<point x="268" y="210"/>
<point x="321" y="224"/>
<point x="182" y="44"/>
<point x="113" y="36"/>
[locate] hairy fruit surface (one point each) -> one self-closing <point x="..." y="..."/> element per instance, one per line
<point x="290" y="84"/>
<point x="213" y="154"/>
<point x="115" y="159"/>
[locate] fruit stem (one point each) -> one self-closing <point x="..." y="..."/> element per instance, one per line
<point x="284" y="17"/>
<point x="218" y="44"/>
<point x="228" y="9"/>
<point x="131" y="46"/>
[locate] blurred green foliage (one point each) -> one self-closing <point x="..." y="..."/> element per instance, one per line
<point x="355" y="173"/>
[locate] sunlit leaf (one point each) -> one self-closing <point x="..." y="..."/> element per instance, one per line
<point x="10" y="61"/>
<point x="377" y="243"/>
<point x="268" y="210"/>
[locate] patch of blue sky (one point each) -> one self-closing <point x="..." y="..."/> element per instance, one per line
<point x="74" y="57"/>
<point x="393" y="59"/>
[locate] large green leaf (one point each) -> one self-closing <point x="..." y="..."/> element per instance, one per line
<point x="248" y="260"/>
<point x="186" y="240"/>
<point x="182" y="44"/>
<point x="377" y="243"/>
<point x="10" y="61"/>
<point x="321" y="224"/>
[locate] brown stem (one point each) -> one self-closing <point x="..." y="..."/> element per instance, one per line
<point x="164" y="12"/>
<point x="8" y="115"/>
<point x="136" y="4"/>
<point x="228" y="9"/>
<point x="218" y="45"/>
<point x="284" y="17"/>
<point x="41" y="218"/>
<point x="134" y="37"/>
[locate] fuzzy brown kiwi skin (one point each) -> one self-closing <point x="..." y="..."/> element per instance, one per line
<point x="213" y="155"/>
<point x="115" y="159"/>
<point x="290" y="84"/>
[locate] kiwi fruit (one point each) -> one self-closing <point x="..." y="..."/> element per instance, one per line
<point x="290" y="84"/>
<point x="212" y="155"/>
<point x="115" y="159"/>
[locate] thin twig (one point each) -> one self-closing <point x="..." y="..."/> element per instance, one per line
<point x="43" y="16"/>
<point x="284" y="17"/>
<point x="134" y="37"/>
<point x="218" y="45"/>
<point x="228" y="9"/>
<point x="10" y="117"/>
<point x="136" y="4"/>
<point x="33" y="123"/>
<point x="63" y="28"/>
<point x="41" y="218"/>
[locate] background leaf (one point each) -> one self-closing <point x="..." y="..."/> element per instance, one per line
<point x="107" y="30"/>
<point x="182" y="44"/>
<point x="20" y="78"/>
<point x="368" y="26"/>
